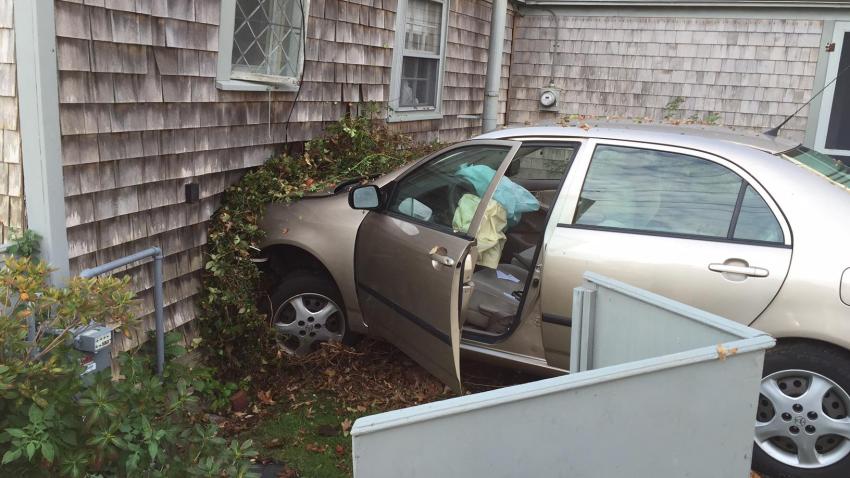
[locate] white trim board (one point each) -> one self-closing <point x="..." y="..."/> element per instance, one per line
<point x="841" y="29"/>
<point x="41" y="145"/>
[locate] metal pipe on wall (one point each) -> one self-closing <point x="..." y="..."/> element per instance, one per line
<point x="498" y="19"/>
<point x="156" y="253"/>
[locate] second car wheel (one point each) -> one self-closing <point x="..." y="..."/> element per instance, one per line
<point x="802" y="424"/>
<point x="307" y="310"/>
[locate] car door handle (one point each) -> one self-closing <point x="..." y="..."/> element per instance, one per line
<point x="437" y="254"/>
<point x="743" y="270"/>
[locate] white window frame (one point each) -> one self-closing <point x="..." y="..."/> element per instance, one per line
<point x="224" y="72"/>
<point x="841" y="28"/>
<point x="396" y="113"/>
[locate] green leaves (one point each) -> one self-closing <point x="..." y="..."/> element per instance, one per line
<point x="47" y="451"/>
<point x="11" y="455"/>
<point x="53" y="425"/>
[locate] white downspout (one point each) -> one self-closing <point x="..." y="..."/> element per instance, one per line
<point x="498" y="19"/>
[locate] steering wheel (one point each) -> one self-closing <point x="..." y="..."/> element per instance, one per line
<point x="457" y="189"/>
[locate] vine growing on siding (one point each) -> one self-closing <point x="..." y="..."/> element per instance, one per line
<point x="235" y="335"/>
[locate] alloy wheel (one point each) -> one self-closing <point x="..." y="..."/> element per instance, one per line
<point x="305" y="320"/>
<point x="802" y="419"/>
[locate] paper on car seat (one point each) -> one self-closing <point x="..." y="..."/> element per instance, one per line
<point x="506" y="276"/>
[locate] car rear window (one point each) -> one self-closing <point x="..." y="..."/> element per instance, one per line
<point x="827" y="166"/>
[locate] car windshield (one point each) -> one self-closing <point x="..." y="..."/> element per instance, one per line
<point x="827" y="166"/>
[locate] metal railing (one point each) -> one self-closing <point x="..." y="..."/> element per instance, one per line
<point x="156" y="254"/>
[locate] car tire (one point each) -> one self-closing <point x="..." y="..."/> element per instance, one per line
<point x="307" y="309"/>
<point x="809" y="381"/>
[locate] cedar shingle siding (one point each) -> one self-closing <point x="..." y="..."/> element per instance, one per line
<point x="752" y="72"/>
<point x="11" y="174"/>
<point x="140" y="117"/>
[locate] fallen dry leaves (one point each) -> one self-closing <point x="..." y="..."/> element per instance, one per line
<point x="346" y="426"/>
<point x="372" y="376"/>
<point x="316" y="448"/>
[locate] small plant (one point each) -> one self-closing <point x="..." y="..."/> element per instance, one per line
<point x="52" y="424"/>
<point x="26" y="243"/>
<point x="711" y="118"/>
<point x="671" y="109"/>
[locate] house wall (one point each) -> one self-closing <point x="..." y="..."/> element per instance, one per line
<point x="141" y="117"/>
<point x="752" y="71"/>
<point x="12" y="212"/>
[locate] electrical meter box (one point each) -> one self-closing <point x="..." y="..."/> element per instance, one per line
<point x="95" y="343"/>
<point x="93" y="340"/>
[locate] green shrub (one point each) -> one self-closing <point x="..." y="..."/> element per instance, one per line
<point x="235" y="334"/>
<point x="51" y="424"/>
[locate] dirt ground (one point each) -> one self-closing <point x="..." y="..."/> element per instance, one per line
<point x="300" y="419"/>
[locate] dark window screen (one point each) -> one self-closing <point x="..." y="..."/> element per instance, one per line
<point x="838" y="133"/>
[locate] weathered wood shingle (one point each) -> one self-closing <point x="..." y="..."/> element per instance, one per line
<point x="12" y="212"/>
<point x="749" y="71"/>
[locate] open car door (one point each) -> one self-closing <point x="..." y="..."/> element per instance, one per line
<point x="416" y="251"/>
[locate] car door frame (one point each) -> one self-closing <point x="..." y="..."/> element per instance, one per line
<point x="510" y="342"/>
<point x="461" y="269"/>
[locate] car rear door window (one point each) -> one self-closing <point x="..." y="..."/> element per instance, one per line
<point x="658" y="191"/>
<point x="756" y="221"/>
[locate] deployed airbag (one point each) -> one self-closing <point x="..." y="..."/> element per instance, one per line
<point x="514" y="198"/>
<point x="491" y="236"/>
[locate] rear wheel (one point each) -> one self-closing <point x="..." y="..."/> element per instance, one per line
<point x="803" y="417"/>
<point x="307" y="310"/>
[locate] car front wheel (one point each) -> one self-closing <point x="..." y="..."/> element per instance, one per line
<point x="307" y="310"/>
<point x="803" y="418"/>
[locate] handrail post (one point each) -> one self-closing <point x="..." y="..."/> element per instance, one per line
<point x="158" y="306"/>
<point x="159" y="301"/>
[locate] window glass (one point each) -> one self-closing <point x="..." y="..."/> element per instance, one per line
<point x="418" y="82"/>
<point x="267" y="39"/>
<point x="756" y="221"/>
<point x="541" y="162"/>
<point x="657" y="191"/>
<point x="434" y="192"/>
<point x="422" y="26"/>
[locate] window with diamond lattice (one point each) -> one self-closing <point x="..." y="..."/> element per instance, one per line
<point x="267" y="40"/>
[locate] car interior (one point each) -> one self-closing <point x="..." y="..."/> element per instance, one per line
<point x="498" y="292"/>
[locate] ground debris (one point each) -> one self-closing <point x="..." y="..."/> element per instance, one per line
<point x="371" y="376"/>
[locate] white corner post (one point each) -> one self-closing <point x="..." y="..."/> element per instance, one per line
<point x="38" y="107"/>
<point x="498" y="18"/>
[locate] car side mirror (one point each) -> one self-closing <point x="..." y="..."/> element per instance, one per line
<point x="366" y="197"/>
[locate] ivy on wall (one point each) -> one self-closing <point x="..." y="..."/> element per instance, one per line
<point x="235" y="335"/>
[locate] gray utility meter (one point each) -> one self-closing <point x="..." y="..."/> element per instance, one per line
<point x="95" y="343"/>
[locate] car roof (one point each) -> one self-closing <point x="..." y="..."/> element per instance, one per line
<point x="683" y="135"/>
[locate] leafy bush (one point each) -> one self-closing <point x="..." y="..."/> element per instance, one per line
<point x="235" y="334"/>
<point x="51" y="424"/>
